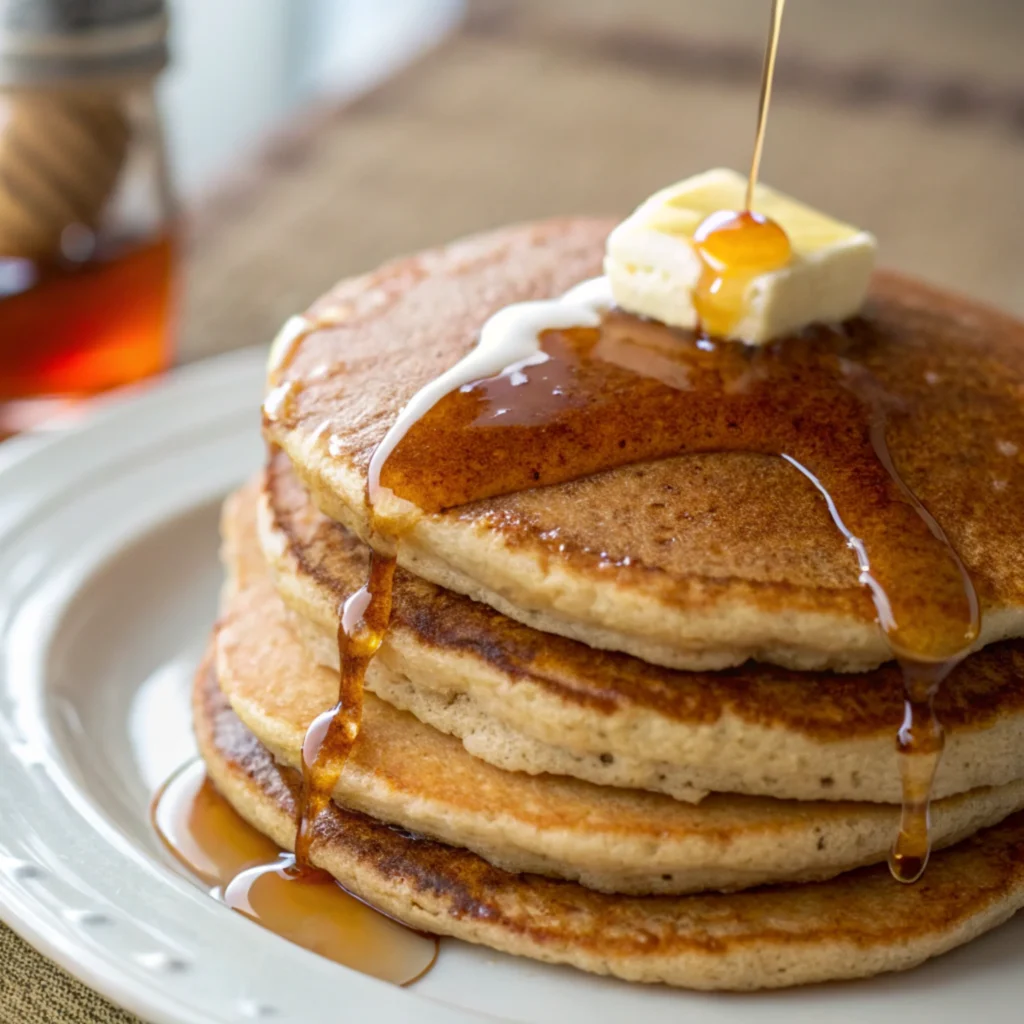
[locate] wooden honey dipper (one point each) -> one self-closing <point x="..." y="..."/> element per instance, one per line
<point x="61" y="155"/>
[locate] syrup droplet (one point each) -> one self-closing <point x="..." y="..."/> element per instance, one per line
<point x="919" y="743"/>
<point x="734" y="248"/>
<point x="248" y="872"/>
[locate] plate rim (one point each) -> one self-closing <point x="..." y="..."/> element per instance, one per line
<point x="96" y="964"/>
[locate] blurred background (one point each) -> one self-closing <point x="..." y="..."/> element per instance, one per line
<point x="311" y="139"/>
<point x="263" y="59"/>
<point x="906" y="118"/>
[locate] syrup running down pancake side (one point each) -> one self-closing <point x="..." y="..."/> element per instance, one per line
<point x="362" y="625"/>
<point x="734" y="248"/>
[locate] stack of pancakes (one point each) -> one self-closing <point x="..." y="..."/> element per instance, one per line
<point x="643" y="722"/>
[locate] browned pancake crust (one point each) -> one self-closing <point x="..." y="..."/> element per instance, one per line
<point x="611" y="839"/>
<point x="858" y="924"/>
<point x="823" y="705"/>
<point x="746" y="528"/>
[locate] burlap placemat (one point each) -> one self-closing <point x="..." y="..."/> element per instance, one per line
<point x="905" y="118"/>
<point x="35" y="991"/>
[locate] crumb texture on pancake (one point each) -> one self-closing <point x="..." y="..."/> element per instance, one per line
<point x="404" y="772"/>
<point x="753" y="566"/>
<point x="858" y="925"/>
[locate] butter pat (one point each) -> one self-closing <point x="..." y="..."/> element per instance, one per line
<point x="654" y="268"/>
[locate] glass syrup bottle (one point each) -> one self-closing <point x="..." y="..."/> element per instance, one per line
<point x="87" y="225"/>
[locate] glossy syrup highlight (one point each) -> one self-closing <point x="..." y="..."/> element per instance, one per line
<point x="734" y="249"/>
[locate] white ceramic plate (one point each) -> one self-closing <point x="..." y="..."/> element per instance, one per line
<point x="108" y="585"/>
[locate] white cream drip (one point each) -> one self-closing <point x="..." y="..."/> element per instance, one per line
<point x="509" y="343"/>
<point x="283" y="347"/>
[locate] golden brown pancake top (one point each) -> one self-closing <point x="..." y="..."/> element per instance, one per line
<point x="698" y="527"/>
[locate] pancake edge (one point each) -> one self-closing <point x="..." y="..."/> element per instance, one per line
<point x="385" y="867"/>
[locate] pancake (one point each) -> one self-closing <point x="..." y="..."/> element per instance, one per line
<point x="858" y="925"/>
<point x="529" y="701"/>
<point x="696" y="562"/>
<point x="408" y="774"/>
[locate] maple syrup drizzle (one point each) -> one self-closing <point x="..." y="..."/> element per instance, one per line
<point x="280" y="892"/>
<point x="736" y="246"/>
<point x="362" y="624"/>
<point x="921" y="739"/>
<point x="248" y="873"/>
<point x="767" y="80"/>
<point x="628" y="390"/>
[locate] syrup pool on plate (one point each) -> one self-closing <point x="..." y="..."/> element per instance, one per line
<point x="251" y="875"/>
